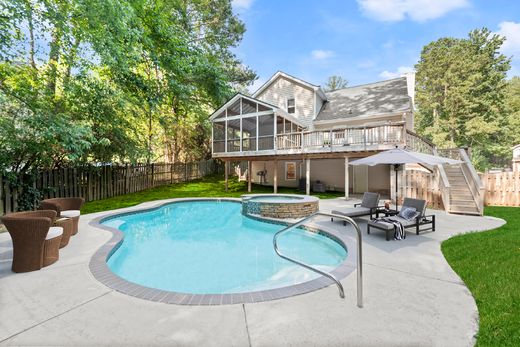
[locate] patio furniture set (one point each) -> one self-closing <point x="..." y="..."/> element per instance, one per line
<point x="38" y="235"/>
<point x="411" y="215"/>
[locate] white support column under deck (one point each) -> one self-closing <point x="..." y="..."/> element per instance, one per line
<point x="346" y="178"/>
<point x="226" y="169"/>
<point x="249" y="175"/>
<point x="308" y="176"/>
<point x="275" y="177"/>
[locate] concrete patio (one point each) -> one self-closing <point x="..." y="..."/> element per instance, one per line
<point x="412" y="297"/>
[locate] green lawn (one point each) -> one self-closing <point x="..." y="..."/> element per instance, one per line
<point x="489" y="264"/>
<point x="210" y="186"/>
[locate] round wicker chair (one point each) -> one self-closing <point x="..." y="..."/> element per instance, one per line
<point x="36" y="241"/>
<point x="65" y="208"/>
<point x="67" y="225"/>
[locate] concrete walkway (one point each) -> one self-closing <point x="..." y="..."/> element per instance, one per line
<point x="412" y="297"/>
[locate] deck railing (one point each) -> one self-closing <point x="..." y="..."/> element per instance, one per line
<point x="328" y="140"/>
<point x="359" y="138"/>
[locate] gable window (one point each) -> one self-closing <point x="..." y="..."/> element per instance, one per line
<point x="291" y="106"/>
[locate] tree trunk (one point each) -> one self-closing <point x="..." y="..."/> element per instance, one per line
<point x="30" y="24"/>
<point x="53" y="61"/>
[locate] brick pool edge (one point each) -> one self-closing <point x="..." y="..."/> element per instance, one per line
<point x="99" y="268"/>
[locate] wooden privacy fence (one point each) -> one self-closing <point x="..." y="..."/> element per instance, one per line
<point x="101" y="182"/>
<point x="420" y="185"/>
<point x="502" y="189"/>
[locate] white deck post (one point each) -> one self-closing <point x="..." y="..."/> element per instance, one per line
<point x="226" y="169"/>
<point x="249" y="175"/>
<point x="346" y="178"/>
<point x="275" y="177"/>
<point x="308" y="176"/>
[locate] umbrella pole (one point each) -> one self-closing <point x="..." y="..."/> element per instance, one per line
<point x="396" y="168"/>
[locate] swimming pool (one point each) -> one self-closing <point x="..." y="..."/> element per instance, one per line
<point x="210" y="247"/>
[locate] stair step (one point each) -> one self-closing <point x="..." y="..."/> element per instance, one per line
<point x="462" y="198"/>
<point x="462" y="202"/>
<point x="472" y="212"/>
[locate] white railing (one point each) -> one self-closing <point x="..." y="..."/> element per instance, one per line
<point x="474" y="182"/>
<point x="330" y="139"/>
<point x="417" y="143"/>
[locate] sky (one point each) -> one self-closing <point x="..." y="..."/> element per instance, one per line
<point x="365" y="40"/>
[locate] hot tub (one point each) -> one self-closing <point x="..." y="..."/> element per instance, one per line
<point x="279" y="205"/>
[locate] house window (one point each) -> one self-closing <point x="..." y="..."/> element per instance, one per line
<point x="290" y="106"/>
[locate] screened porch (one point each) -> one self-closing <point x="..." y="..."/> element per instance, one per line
<point x="245" y="125"/>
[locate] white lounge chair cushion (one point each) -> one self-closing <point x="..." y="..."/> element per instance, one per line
<point x="54" y="232"/>
<point x="404" y="222"/>
<point x="70" y="213"/>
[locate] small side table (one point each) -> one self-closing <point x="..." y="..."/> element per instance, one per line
<point x="386" y="212"/>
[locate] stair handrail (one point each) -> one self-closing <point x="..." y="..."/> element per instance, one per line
<point x="474" y="182"/>
<point x="323" y="273"/>
<point x="444" y="184"/>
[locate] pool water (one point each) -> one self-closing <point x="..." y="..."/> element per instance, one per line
<point x="209" y="247"/>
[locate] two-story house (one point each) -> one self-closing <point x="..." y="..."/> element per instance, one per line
<point x="291" y="131"/>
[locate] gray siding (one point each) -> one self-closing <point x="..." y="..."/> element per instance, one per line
<point x="282" y="89"/>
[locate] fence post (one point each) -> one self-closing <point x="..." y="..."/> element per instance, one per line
<point x="127" y="179"/>
<point x="185" y="171"/>
<point x="89" y="184"/>
<point x="153" y="175"/>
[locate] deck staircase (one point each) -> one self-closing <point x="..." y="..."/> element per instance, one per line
<point x="461" y="198"/>
<point x="461" y="188"/>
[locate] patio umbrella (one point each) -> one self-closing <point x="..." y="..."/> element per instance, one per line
<point x="398" y="157"/>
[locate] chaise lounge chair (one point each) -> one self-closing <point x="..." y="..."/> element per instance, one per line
<point x="367" y="207"/>
<point x="36" y="241"/>
<point x="416" y="222"/>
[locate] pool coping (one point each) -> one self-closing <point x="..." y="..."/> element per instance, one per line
<point x="99" y="268"/>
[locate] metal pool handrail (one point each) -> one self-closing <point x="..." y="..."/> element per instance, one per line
<point x="323" y="273"/>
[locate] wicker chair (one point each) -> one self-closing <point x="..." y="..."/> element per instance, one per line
<point x="67" y="225"/>
<point x="36" y="241"/>
<point x="65" y="208"/>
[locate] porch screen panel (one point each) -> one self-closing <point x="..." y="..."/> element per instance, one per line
<point x="279" y="125"/>
<point x="266" y="132"/>
<point x="249" y="134"/>
<point x="248" y="106"/>
<point x="233" y="135"/>
<point x="219" y="137"/>
<point x="234" y="109"/>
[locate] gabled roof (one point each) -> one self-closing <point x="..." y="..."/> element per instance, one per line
<point x="278" y="111"/>
<point x="379" y="98"/>
<point x="273" y="78"/>
<point x="233" y="99"/>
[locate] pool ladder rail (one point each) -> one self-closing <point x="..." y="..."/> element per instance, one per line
<point x="323" y="273"/>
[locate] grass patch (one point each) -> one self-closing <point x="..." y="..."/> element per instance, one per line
<point x="209" y="186"/>
<point x="489" y="264"/>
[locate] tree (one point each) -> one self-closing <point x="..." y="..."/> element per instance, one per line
<point x="112" y="80"/>
<point x="335" y="82"/>
<point x="123" y="72"/>
<point x="460" y="94"/>
<point x="513" y="105"/>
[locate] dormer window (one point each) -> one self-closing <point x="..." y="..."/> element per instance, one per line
<point x="291" y="108"/>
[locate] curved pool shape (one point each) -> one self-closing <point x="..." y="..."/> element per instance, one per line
<point x="209" y="247"/>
